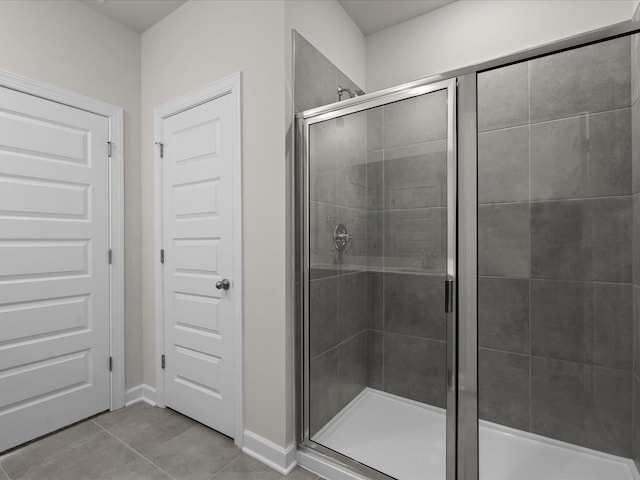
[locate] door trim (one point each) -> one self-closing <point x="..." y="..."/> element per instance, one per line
<point x="114" y="114"/>
<point x="230" y="85"/>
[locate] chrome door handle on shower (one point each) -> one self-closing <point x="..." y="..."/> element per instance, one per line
<point x="448" y="295"/>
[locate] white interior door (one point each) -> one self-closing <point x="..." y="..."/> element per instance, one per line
<point x="197" y="188"/>
<point x="54" y="272"/>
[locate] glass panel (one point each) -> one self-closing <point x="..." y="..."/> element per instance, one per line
<point x="556" y="209"/>
<point x="378" y="259"/>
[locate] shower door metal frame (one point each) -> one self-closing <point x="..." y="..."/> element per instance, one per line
<point x="304" y="122"/>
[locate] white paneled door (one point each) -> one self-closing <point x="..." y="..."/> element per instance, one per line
<point x="198" y="283"/>
<point x="54" y="272"/>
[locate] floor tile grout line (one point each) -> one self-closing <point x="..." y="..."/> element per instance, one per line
<point x="2" y="470"/>
<point x="224" y="467"/>
<point x="134" y="450"/>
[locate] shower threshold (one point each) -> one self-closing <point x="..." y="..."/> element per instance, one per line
<point x="406" y="440"/>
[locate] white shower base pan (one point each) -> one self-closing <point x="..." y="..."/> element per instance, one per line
<point x="406" y="440"/>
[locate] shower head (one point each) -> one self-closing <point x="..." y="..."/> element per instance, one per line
<point x="351" y="92"/>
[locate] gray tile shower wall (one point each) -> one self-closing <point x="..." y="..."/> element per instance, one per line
<point x="635" y="273"/>
<point x="339" y="282"/>
<point x="407" y="186"/>
<point x="557" y="170"/>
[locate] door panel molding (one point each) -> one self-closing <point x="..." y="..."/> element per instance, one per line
<point x="114" y="115"/>
<point x="230" y="85"/>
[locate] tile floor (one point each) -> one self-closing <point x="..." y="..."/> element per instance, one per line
<point x="139" y="442"/>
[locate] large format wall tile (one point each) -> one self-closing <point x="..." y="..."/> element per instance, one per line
<point x="503" y="314"/>
<point x="415" y="368"/>
<point x="635" y="147"/>
<point x="503" y="165"/>
<point x="610" y="153"/>
<point x="559" y="167"/>
<point x="561" y="320"/>
<point x="323" y="315"/>
<point x="375" y="352"/>
<point x="503" y="388"/>
<point x="503" y="240"/>
<point x="613" y="325"/>
<point x="635" y="423"/>
<point x="352" y="129"/>
<point x="356" y="222"/>
<point x="580" y="404"/>
<point x="352" y="368"/>
<point x="560" y="240"/>
<point x="503" y="97"/>
<point x="323" y="165"/>
<point x="375" y="303"/>
<point x="416" y="120"/>
<point x="324" y="395"/>
<point x="416" y="239"/>
<point x="375" y="129"/>
<point x="352" y="304"/>
<point x="414" y="305"/>
<point x="352" y="190"/>
<point x="636" y="322"/>
<point x="636" y="239"/>
<point x="416" y="176"/>
<point x="322" y="222"/>
<point x="611" y="238"/>
<point x="315" y="77"/>
<point x="375" y="187"/>
<point x="375" y="238"/>
<point x="588" y="79"/>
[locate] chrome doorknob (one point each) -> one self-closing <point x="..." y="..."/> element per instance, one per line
<point x="223" y="284"/>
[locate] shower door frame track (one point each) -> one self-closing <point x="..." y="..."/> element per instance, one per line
<point x="462" y="395"/>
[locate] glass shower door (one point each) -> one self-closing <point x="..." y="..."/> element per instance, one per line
<point x="379" y="245"/>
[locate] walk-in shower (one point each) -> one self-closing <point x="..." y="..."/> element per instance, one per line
<point x="469" y="271"/>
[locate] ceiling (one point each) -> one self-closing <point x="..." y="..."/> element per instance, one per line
<point x="375" y="15"/>
<point x="136" y="14"/>
<point x="370" y="15"/>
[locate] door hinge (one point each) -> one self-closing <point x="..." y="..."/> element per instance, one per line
<point x="162" y="256"/>
<point x="111" y="364"/>
<point x="161" y="145"/>
<point x="162" y="361"/>
<point x="109" y="149"/>
<point x="110" y="256"/>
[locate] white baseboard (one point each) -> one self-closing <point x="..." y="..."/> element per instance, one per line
<point x="282" y="460"/>
<point x="141" y="393"/>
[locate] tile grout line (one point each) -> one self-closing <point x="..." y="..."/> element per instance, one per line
<point x="226" y="465"/>
<point x="134" y="450"/>
<point x="2" y="470"/>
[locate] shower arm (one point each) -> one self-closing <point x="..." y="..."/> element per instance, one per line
<point x="351" y="92"/>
